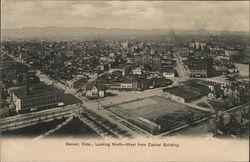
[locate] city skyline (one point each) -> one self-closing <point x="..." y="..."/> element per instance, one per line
<point x="212" y="16"/>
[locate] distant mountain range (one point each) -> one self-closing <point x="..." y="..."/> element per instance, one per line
<point x="86" y="32"/>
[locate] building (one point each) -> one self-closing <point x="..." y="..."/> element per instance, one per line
<point x="137" y="71"/>
<point x="160" y="82"/>
<point x="232" y="69"/>
<point x="37" y="97"/>
<point x="183" y="52"/>
<point x="102" y="67"/>
<point x="222" y="80"/>
<point x="127" y="86"/>
<point x="156" y="62"/>
<point x="186" y="92"/>
<point x="95" y="91"/>
<point x="115" y="86"/>
<point x="124" y="44"/>
<point x="221" y="68"/>
<point x="197" y="45"/>
<point x="230" y="53"/>
<point x="200" y="67"/>
<point x="215" y="88"/>
<point x="168" y="72"/>
<point x="243" y="69"/>
<point x="134" y="83"/>
<point x="122" y="68"/>
<point x="77" y="82"/>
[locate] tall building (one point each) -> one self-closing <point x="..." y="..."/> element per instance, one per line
<point x="200" y="67"/>
<point x="124" y="44"/>
<point x="183" y="52"/>
<point x="156" y="62"/>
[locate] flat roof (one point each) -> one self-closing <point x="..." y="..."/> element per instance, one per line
<point x="218" y="79"/>
<point x="206" y="82"/>
<point x="36" y="90"/>
<point x="181" y="92"/>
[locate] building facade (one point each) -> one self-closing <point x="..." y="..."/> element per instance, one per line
<point x="200" y="67"/>
<point x="95" y="91"/>
<point x="37" y="97"/>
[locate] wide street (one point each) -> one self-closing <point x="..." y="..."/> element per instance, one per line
<point x="180" y="68"/>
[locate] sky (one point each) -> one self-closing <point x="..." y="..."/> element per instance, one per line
<point x="192" y="15"/>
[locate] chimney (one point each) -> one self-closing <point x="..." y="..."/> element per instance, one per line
<point x="27" y="84"/>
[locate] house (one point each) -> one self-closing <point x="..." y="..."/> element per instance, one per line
<point x="95" y="91"/>
<point x="137" y="71"/>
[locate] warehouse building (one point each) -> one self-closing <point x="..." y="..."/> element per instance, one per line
<point x="37" y="97"/>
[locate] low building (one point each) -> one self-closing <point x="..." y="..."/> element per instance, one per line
<point x="95" y="91"/>
<point x="177" y="94"/>
<point x="186" y="92"/>
<point x="134" y="83"/>
<point x="77" y="82"/>
<point x="102" y="67"/>
<point x="230" y="53"/>
<point x="232" y="69"/>
<point x="122" y="68"/>
<point x="168" y="72"/>
<point x="215" y="88"/>
<point x="37" y="97"/>
<point x="126" y="86"/>
<point x="160" y="82"/>
<point x="222" y="79"/>
<point x="221" y="68"/>
<point x="115" y="86"/>
<point x="116" y="69"/>
<point x="137" y="71"/>
<point x="243" y="69"/>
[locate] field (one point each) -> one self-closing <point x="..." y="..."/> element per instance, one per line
<point x="158" y="111"/>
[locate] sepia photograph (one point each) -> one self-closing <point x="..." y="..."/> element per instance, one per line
<point x="132" y="80"/>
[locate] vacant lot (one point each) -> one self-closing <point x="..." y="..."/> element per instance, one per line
<point x="166" y="113"/>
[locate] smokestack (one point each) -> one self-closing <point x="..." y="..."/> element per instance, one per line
<point x="27" y="84"/>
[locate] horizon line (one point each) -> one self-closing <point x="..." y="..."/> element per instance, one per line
<point x="125" y="28"/>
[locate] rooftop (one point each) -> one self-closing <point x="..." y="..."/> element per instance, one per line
<point x="206" y="82"/>
<point x="37" y="90"/>
<point x="219" y="79"/>
<point x="98" y="86"/>
<point x="181" y="92"/>
<point x="193" y="84"/>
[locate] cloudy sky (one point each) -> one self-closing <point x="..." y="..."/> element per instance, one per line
<point x="231" y="16"/>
